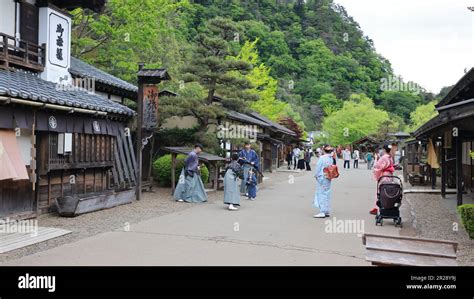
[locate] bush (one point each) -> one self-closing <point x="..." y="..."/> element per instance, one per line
<point x="467" y="216"/>
<point x="162" y="170"/>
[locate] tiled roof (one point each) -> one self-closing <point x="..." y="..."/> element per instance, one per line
<point x="27" y="86"/>
<point x="276" y="126"/>
<point x="81" y="69"/>
<point x="160" y="73"/>
<point x="246" y="118"/>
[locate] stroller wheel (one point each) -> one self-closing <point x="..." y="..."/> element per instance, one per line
<point x="378" y="220"/>
<point x="399" y="222"/>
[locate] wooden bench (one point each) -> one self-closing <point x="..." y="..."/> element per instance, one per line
<point x="405" y="251"/>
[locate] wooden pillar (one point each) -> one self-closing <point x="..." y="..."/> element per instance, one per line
<point x="444" y="171"/>
<point x="216" y="176"/>
<point x="138" y="150"/>
<point x="459" y="177"/>
<point x="173" y="172"/>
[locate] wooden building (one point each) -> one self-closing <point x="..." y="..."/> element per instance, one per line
<point x="452" y="132"/>
<point x="278" y="141"/>
<point x="61" y="120"/>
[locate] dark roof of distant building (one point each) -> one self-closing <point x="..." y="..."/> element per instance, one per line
<point x="246" y="118"/>
<point x="276" y="126"/>
<point x="27" y="86"/>
<point x="460" y="91"/>
<point x="80" y="68"/>
<point x="154" y="75"/>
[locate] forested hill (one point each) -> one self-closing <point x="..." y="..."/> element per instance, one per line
<point x="307" y="58"/>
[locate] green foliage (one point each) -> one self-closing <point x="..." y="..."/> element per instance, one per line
<point x="357" y="118"/>
<point x="162" y="170"/>
<point x="215" y="73"/>
<point x="176" y="137"/>
<point x="422" y="114"/>
<point x="264" y="86"/>
<point x="314" y="44"/>
<point x="401" y="103"/>
<point x="466" y="212"/>
<point x="329" y="103"/>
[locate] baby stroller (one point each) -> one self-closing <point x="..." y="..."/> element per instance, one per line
<point x="389" y="199"/>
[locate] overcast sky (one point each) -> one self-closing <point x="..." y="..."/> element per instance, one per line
<point x="430" y="42"/>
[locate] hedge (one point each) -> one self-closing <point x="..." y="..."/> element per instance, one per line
<point x="162" y="170"/>
<point x="467" y="216"/>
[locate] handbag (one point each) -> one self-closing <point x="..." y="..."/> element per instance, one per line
<point x="331" y="172"/>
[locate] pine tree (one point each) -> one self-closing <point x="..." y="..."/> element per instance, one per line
<point x="219" y="76"/>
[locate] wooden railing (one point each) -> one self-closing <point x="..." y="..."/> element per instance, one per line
<point x="21" y="54"/>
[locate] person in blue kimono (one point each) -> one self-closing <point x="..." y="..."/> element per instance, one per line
<point x="231" y="187"/>
<point x="251" y="184"/>
<point x="322" y="198"/>
<point x="248" y="158"/>
<point x="190" y="187"/>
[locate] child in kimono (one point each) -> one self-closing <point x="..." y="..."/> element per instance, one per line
<point x="251" y="184"/>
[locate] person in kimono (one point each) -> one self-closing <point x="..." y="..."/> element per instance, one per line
<point x="231" y="186"/>
<point x="383" y="166"/>
<point x="252" y="184"/>
<point x="322" y="198"/>
<point x="248" y="158"/>
<point x="190" y="187"/>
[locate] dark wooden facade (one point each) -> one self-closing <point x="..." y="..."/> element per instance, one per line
<point x="453" y="131"/>
<point x="101" y="161"/>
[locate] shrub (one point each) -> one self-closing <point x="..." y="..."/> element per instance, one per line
<point x="162" y="170"/>
<point x="467" y="216"/>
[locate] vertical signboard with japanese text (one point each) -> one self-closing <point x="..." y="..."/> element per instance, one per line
<point x="58" y="40"/>
<point x="150" y="107"/>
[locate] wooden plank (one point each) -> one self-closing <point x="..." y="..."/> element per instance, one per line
<point x="407" y="259"/>
<point x="118" y="166"/>
<point x="128" y="159"/>
<point x="389" y="238"/>
<point x="9" y="242"/>
<point x="125" y="169"/>
<point x="130" y="148"/>
<point x="411" y="246"/>
<point x="173" y="172"/>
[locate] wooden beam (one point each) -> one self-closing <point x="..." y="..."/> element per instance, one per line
<point x="459" y="176"/>
<point x="444" y="171"/>
<point x="139" y="137"/>
<point x="173" y="172"/>
<point x="216" y="176"/>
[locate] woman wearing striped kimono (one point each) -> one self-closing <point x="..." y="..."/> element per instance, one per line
<point x="231" y="184"/>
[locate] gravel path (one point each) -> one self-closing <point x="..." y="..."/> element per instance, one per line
<point x="433" y="220"/>
<point x="153" y="204"/>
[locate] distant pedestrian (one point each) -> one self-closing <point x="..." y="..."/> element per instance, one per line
<point x="307" y="159"/>
<point x="289" y="158"/>
<point x="301" y="162"/>
<point x="370" y="159"/>
<point x="296" y="154"/>
<point x="346" y="155"/>
<point x="356" y="156"/>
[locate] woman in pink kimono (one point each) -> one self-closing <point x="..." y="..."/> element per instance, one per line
<point x="383" y="166"/>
